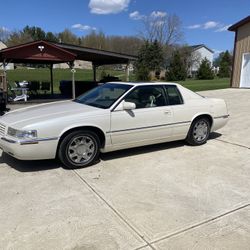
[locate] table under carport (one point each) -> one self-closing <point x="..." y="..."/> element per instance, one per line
<point x="50" y="53"/>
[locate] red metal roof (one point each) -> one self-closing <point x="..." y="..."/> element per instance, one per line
<point x="46" y="52"/>
<point x="36" y="52"/>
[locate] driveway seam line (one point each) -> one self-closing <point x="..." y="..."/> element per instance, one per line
<point x="232" y="143"/>
<point x="142" y="247"/>
<point x="114" y="210"/>
<point x="199" y="224"/>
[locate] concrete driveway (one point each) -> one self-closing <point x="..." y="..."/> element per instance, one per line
<point x="168" y="196"/>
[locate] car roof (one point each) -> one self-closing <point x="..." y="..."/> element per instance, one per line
<point x="145" y="83"/>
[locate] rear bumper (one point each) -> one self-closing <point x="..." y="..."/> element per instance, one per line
<point x="38" y="149"/>
<point x="219" y="122"/>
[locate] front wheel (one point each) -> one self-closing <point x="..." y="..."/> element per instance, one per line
<point x="79" y="149"/>
<point x="199" y="132"/>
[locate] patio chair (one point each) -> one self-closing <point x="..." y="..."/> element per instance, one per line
<point x="34" y="86"/>
<point x="19" y="93"/>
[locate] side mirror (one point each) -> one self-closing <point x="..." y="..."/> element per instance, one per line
<point x="128" y="105"/>
<point x="125" y="106"/>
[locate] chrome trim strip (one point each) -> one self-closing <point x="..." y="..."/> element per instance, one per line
<point x="47" y="139"/>
<point x="9" y="140"/>
<point x="26" y="142"/>
<point x="155" y="126"/>
<point x="35" y="141"/>
<point x="223" y="116"/>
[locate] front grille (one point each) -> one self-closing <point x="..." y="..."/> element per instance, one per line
<point x="2" y="129"/>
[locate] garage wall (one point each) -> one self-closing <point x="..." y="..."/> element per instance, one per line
<point x="242" y="46"/>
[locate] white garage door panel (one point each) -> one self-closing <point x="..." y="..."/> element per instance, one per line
<point x="245" y="71"/>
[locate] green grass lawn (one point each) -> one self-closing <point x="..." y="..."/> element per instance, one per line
<point x="43" y="74"/>
<point x="87" y="75"/>
<point x="200" y="85"/>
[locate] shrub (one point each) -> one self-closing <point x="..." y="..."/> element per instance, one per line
<point x="205" y="70"/>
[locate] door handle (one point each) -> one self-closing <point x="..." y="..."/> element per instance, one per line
<point x="167" y="112"/>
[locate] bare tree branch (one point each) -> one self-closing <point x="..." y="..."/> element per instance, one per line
<point x="165" y="29"/>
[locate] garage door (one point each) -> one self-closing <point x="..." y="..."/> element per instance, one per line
<point x="245" y="71"/>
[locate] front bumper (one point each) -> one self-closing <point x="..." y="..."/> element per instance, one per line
<point x="37" y="149"/>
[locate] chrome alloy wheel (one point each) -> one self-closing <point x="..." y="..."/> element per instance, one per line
<point x="200" y="131"/>
<point x="81" y="149"/>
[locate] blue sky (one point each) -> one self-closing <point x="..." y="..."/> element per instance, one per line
<point x="203" y="21"/>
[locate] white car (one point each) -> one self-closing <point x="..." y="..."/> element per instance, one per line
<point x="111" y="117"/>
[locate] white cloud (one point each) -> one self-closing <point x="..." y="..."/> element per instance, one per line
<point x="104" y="7"/>
<point x="136" y="15"/>
<point x="82" y="27"/>
<point x="223" y="28"/>
<point x="4" y="29"/>
<point x="217" y="52"/>
<point x="195" y="26"/>
<point x="216" y="26"/>
<point x="156" y="14"/>
<point x="210" y="25"/>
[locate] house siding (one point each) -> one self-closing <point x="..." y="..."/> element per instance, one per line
<point x="242" y="45"/>
<point x="10" y="65"/>
<point x="198" y="55"/>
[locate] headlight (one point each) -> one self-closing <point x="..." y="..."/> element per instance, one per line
<point x="22" y="134"/>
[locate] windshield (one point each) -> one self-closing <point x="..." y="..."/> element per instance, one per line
<point x="103" y="96"/>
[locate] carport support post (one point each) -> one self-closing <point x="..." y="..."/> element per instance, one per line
<point x="73" y="83"/>
<point x="51" y="79"/>
<point x="5" y="87"/>
<point x="94" y="72"/>
<point x="127" y="72"/>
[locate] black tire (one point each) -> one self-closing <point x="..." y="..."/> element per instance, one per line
<point x="195" y="138"/>
<point x="72" y="148"/>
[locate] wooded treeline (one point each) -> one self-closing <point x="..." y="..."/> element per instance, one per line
<point x="98" y="40"/>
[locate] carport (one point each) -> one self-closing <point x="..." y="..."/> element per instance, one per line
<point x="49" y="53"/>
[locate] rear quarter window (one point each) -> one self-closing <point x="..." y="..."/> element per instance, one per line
<point x="173" y="95"/>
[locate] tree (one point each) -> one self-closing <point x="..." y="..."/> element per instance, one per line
<point x="36" y="33"/>
<point x="51" y="37"/>
<point x="166" y="29"/>
<point x="4" y="34"/>
<point x="95" y="40"/>
<point x="205" y="70"/>
<point x="18" y="37"/>
<point x="28" y="34"/>
<point x="68" y="37"/>
<point x="225" y="65"/>
<point x="177" y="69"/>
<point x="150" y="58"/>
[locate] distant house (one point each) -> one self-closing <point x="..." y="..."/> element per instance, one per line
<point x="198" y="53"/>
<point x="77" y="65"/>
<point x="10" y="65"/>
<point x="241" y="58"/>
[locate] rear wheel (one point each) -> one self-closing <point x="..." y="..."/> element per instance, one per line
<point x="199" y="131"/>
<point x="79" y="149"/>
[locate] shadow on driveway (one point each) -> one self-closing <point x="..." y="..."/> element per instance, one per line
<point x="149" y="148"/>
<point x="29" y="166"/>
<point x="32" y="166"/>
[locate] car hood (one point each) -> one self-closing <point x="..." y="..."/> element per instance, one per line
<point x="45" y="112"/>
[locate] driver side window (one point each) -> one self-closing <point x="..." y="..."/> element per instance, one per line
<point x="147" y="97"/>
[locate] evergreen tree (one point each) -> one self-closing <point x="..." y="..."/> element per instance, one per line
<point x="35" y="32"/>
<point x="177" y="68"/>
<point x="150" y="58"/>
<point x="205" y="70"/>
<point x="51" y="37"/>
<point x="225" y="65"/>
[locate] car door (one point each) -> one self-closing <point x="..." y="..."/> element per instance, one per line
<point x="182" y="112"/>
<point x="147" y="123"/>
